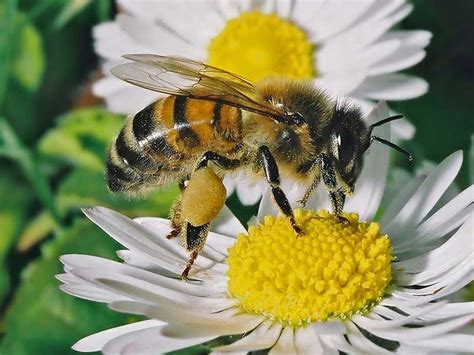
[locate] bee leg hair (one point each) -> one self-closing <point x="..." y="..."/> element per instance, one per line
<point x="176" y="220"/>
<point x="336" y="195"/>
<point x="175" y="215"/>
<point x="316" y="180"/>
<point x="194" y="240"/>
<point x="273" y="177"/>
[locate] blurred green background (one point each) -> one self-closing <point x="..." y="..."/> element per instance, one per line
<point x="54" y="134"/>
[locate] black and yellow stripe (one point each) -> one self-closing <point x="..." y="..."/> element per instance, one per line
<point x="167" y="134"/>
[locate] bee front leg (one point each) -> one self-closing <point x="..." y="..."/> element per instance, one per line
<point x="273" y="177"/>
<point x="337" y="195"/>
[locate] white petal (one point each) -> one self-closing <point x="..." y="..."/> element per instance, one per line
<point x="267" y="207"/>
<point x="427" y="332"/>
<point x="324" y="19"/>
<point x="227" y="224"/>
<point x="448" y="342"/>
<point x="400" y="200"/>
<point x="147" y="341"/>
<point x="157" y="38"/>
<point x="108" y="85"/>
<point x="96" y="342"/>
<point x="404" y="58"/>
<point x="307" y="341"/>
<point x="145" y="290"/>
<point x="111" y="41"/>
<point x="371" y="183"/>
<point x="412" y="38"/>
<point x="367" y="31"/>
<point x="228" y="9"/>
<point x="249" y="194"/>
<point x="198" y="21"/>
<point x="285" y="344"/>
<point x="338" y="342"/>
<point x="130" y="99"/>
<point x="196" y="314"/>
<point x="392" y="87"/>
<point x="136" y="237"/>
<point x="444" y="220"/>
<point x="341" y="83"/>
<point x="449" y="310"/>
<point x="341" y="60"/>
<point x="284" y="8"/>
<point x="319" y="199"/>
<point x="91" y="292"/>
<point x="141" y="261"/>
<point x="233" y="324"/>
<point x="364" y="345"/>
<point x="427" y="195"/>
<point x="262" y="337"/>
<point x="109" y="267"/>
<point x="371" y="324"/>
<point x="440" y="259"/>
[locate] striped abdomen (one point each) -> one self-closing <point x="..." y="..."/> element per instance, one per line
<point x="160" y="143"/>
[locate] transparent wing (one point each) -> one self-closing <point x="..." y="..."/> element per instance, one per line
<point x="185" y="77"/>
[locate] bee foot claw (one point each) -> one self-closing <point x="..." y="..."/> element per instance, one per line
<point x="343" y="220"/>
<point x="173" y="234"/>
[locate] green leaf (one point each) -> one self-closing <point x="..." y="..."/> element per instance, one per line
<point x="81" y="137"/>
<point x="27" y="63"/>
<point x="36" y="230"/>
<point x="7" y="16"/>
<point x="87" y="188"/>
<point x="15" y="199"/>
<point x="44" y="320"/>
<point x="69" y="11"/>
<point x="14" y="149"/>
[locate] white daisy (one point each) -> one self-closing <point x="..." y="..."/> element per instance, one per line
<point x="355" y="289"/>
<point x="344" y="47"/>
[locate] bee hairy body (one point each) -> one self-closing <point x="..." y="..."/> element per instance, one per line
<point x="161" y="143"/>
<point x="276" y="127"/>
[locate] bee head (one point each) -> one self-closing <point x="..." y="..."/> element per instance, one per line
<point x="349" y="139"/>
<point x="347" y="142"/>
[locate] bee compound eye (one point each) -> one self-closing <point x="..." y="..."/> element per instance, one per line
<point x="346" y="146"/>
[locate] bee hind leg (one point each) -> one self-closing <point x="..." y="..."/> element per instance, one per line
<point x="273" y="177"/>
<point x="194" y="240"/>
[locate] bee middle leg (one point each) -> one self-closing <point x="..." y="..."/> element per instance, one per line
<point x="273" y="177"/>
<point x="336" y="194"/>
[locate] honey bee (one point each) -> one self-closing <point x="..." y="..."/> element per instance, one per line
<point x="214" y="121"/>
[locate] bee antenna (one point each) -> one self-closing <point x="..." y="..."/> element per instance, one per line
<point x="385" y="120"/>
<point x="391" y="145"/>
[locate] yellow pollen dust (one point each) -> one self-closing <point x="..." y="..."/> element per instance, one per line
<point x="256" y="45"/>
<point x="332" y="271"/>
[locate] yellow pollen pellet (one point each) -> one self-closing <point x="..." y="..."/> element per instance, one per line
<point x="332" y="271"/>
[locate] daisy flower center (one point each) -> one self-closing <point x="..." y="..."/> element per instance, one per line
<point x="257" y="45"/>
<point x="332" y="271"/>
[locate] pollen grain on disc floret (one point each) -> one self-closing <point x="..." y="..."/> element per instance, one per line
<point x="332" y="271"/>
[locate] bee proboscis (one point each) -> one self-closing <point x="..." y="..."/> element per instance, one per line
<point x="214" y="121"/>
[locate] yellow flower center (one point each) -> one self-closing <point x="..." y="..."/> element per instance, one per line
<point x="256" y="45"/>
<point x="332" y="271"/>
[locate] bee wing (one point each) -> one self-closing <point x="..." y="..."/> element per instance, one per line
<point x="185" y="77"/>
